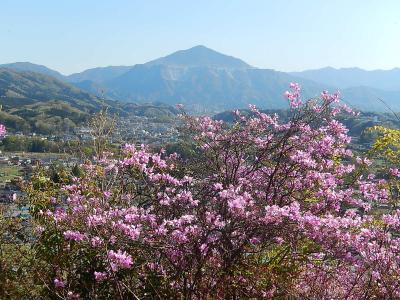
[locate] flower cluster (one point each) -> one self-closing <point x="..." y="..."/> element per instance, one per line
<point x="2" y="130"/>
<point x="267" y="209"/>
<point x="294" y="95"/>
<point x="118" y="260"/>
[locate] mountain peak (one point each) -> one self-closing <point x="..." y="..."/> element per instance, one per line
<point x="199" y="47"/>
<point x="200" y="56"/>
<point x="31" y="67"/>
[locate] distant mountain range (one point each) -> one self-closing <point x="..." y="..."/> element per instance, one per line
<point x="98" y="75"/>
<point x="27" y="66"/>
<point x="31" y="101"/>
<point x="354" y="77"/>
<point x="36" y="102"/>
<point x="208" y="81"/>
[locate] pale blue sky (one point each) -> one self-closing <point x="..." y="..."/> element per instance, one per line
<point x="72" y="35"/>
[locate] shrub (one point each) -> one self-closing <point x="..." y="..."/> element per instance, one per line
<point x="267" y="210"/>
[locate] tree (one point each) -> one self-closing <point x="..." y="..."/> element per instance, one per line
<point x="267" y="210"/>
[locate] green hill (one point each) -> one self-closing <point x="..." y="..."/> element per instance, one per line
<point x="27" y="66"/>
<point x="36" y="102"/>
<point x="33" y="102"/>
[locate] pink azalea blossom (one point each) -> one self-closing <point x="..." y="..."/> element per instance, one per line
<point x="58" y="283"/>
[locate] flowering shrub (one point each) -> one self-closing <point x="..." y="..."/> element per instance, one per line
<point x="267" y="210"/>
<point x="2" y="130"/>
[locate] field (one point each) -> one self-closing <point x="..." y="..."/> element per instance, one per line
<point x="7" y="173"/>
<point x="38" y="155"/>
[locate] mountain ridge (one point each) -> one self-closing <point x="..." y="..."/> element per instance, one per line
<point x="353" y="77"/>
<point x="200" y="56"/>
<point x="33" y="102"/>
<point x="28" y="66"/>
<point x="208" y="81"/>
<point x="98" y="74"/>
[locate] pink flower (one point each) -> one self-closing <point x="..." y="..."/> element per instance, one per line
<point x="58" y="283"/>
<point x="363" y="161"/>
<point x="294" y="96"/>
<point x="119" y="260"/>
<point x="72" y="296"/>
<point x="96" y="241"/>
<point x="74" y="235"/>
<point x="100" y="276"/>
<point x="295" y="86"/>
<point x="2" y="130"/>
<point x="39" y="229"/>
<point x="254" y="241"/>
<point x="218" y="186"/>
<point x="395" y="172"/>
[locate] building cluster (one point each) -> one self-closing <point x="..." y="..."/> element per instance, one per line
<point x="144" y="130"/>
<point x="135" y="129"/>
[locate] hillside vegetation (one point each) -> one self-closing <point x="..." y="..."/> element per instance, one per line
<point x="35" y="102"/>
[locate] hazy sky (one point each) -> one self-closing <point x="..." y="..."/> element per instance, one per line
<point x="72" y="35"/>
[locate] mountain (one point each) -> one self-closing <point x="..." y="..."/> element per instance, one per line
<point x="371" y="99"/>
<point x="207" y="81"/>
<point x="159" y="111"/>
<point x="33" y="102"/>
<point x="98" y="75"/>
<point x="354" y="77"/>
<point x="205" y="88"/>
<point x="31" y="87"/>
<point x="200" y="56"/>
<point x="27" y="66"/>
<point x="100" y="80"/>
<point x="36" y="102"/>
<point x="91" y="87"/>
